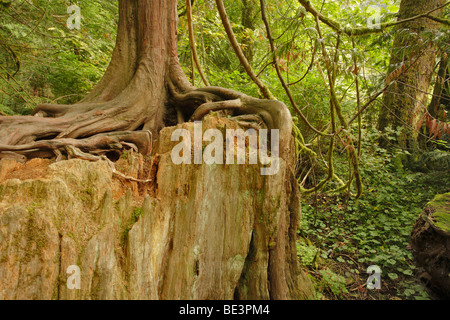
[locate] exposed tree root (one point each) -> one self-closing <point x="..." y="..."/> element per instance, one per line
<point x="97" y="144"/>
<point x="207" y="107"/>
<point x="274" y="113"/>
<point x="73" y="152"/>
<point x="95" y="129"/>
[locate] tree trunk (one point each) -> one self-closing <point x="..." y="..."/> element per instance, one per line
<point x="404" y="103"/>
<point x="142" y="91"/>
<point x="248" y="22"/>
<point x="436" y="108"/>
<point x="430" y="244"/>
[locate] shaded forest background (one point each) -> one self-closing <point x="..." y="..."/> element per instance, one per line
<point x="42" y="61"/>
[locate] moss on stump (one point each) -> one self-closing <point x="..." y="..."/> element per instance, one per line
<point x="430" y="241"/>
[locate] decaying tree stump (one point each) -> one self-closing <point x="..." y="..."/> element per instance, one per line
<point x="196" y="231"/>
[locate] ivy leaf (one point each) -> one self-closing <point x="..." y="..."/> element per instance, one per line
<point x="393" y="276"/>
<point x="408" y="272"/>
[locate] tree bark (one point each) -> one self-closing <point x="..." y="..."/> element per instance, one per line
<point x="434" y="108"/>
<point x="248" y="21"/>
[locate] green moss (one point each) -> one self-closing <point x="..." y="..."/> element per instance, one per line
<point x="86" y="196"/>
<point x="441" y="211"/>
<point x="260" y="196"/>
<point x="32" y="207"/>
<point x="35" y="238"/>
<point x="137" y="212"/>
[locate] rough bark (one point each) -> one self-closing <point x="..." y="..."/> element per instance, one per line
<point x="405" y="101"/>
<point x="436" y="108"/>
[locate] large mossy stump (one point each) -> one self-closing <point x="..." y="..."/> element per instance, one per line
<point x="430" y="241"/>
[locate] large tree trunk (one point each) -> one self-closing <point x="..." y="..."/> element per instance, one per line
<point x="142" y="91"/>
<point x="404" y="103"/>
<point x="248" y="21"/>
<point x="439" y="101"/>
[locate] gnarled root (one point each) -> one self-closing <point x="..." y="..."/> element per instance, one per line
<point x="274" y="113"/>
<point x="102" y="127"/>
<point x="98" y="144"/>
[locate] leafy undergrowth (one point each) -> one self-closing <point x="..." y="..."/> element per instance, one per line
<point x="340" y="238"/>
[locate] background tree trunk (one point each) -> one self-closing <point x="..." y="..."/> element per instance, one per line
<point x="248" y="21"/>
<point x="439" y="102"/>
<point x="405" y="102"/>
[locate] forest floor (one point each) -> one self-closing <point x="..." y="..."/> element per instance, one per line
<point x="340" y="238"/>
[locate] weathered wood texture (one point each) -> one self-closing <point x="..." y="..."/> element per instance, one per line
<point x="197" y="232"/>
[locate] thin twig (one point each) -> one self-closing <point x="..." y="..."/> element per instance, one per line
<point x="280" y="76"/>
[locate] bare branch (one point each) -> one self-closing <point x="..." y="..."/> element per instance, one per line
<point x="367" y="30"/>
<point x="237" y="49"/>
<point x="280" y="76"/>
<point x="192" y="43"/>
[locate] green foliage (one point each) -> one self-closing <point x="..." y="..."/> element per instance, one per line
<point x="332" y="282"/>
<point x="137" y="212"/>
<point x="376" y="229"/>
<point x="43" y="61"/>
<point x="308" y="254"/>
<point x="4" y="4"/>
